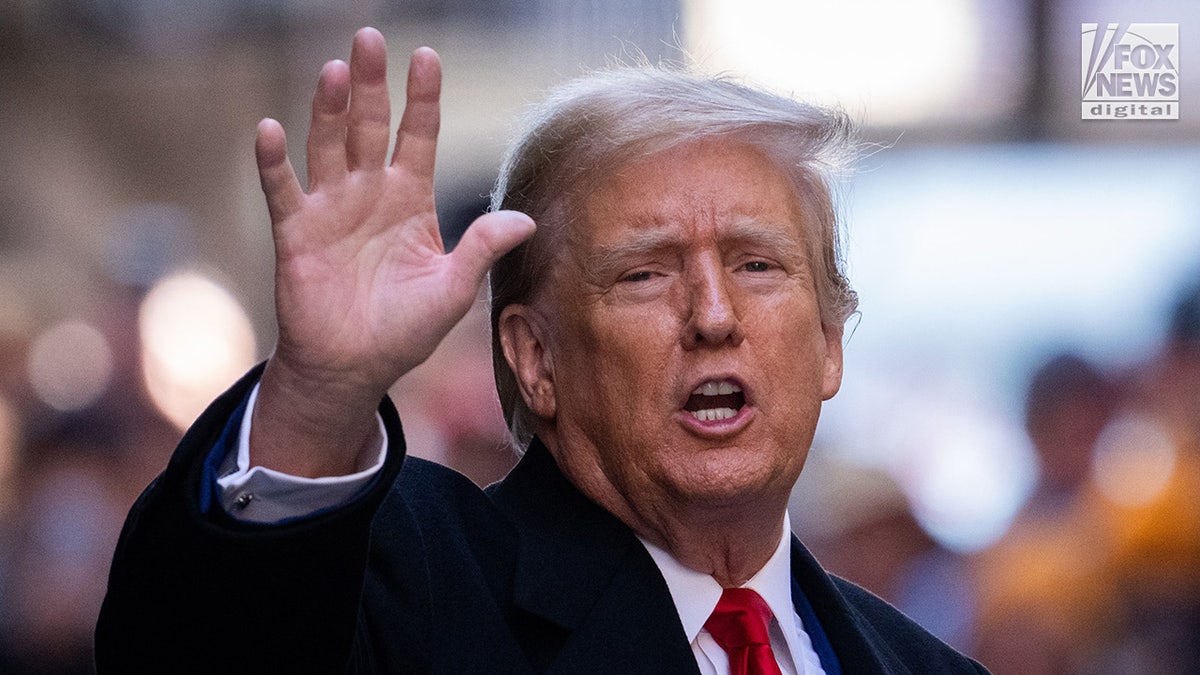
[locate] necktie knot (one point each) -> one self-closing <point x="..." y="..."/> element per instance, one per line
<point x="739" y="624"/>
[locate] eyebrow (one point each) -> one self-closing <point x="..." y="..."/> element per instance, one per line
<point x="606" y="259"/>
<point x="644" y="243"/>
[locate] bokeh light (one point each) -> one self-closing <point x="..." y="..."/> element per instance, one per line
<point x="196" y="340"/>
<point x="70" y="365"/>
<point x="1134" y="460"/>
<point x="816" y="49"/>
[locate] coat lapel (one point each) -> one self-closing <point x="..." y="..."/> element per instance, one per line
<point x="582" y="570"/>
<point x="858" y="647"/>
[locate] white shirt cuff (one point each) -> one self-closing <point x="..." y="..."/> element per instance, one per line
<point x="257" y="494"/>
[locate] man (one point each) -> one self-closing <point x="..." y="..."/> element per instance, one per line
<point x="664" y="342"/>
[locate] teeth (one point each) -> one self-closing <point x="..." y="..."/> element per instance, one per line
<point x="714" y="414"/>
<point x="711" y="388"/>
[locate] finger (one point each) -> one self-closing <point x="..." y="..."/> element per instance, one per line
<point x="368" y="131"/>
<point x="416" y="140"/>
<point x="327" y="133"/>
<point x="486" y="241"/>
<point x="275" y="171"/>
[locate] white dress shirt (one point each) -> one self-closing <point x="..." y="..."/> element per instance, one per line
<point x="696" y="595"/>
<point x="261" y="495"/>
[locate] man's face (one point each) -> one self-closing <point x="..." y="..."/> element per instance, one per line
<point x="684" y="350"/>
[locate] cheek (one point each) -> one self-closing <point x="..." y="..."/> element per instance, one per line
<point x="614" y="384"/>
<point x="598" y="362"/>
<point x="793" y="353"/>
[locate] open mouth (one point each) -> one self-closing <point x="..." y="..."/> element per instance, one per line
<point x="714" y="401"/>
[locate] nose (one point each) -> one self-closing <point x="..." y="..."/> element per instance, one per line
<point x="712" y="314"/>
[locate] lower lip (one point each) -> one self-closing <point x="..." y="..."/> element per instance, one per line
<point x="716" y="428"/>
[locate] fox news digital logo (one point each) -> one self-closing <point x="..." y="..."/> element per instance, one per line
<point x="1131" y="71"/>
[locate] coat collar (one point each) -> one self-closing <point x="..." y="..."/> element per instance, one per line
<point x="584" y="570"/>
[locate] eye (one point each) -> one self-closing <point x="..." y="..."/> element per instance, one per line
<point x="640" y="275"/>
<point x="757" y="266"/>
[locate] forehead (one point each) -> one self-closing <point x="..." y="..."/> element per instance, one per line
<point x="710" y="186"/>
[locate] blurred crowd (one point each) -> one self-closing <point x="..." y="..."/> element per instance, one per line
<point x="70" y="468"/>
<point x="1095" y="575"/>
<point x="1099" y="572"/>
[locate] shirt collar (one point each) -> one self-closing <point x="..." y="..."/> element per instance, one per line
<point x="696" y="593"/>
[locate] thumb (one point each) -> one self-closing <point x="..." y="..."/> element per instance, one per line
<point x="487" y="240"/>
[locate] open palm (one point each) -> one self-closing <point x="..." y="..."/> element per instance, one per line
<point x="364" y="288"/>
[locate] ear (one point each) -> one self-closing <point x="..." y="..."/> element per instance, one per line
<point x="833" y="361"/>
<point x="522" y="337"/>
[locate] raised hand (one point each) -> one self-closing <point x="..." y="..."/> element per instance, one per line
<point x="364" y="290"/>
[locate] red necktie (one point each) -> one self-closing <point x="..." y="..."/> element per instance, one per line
<point x="739" y="625"/>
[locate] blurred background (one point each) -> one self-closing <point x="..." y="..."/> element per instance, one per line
<point x="1014" y="457"/>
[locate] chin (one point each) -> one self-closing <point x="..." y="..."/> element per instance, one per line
<point x="730" y="479"/>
